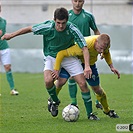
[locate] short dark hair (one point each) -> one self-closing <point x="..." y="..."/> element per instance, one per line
<point x="61" y="13"/>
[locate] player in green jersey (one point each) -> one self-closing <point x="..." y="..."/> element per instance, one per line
<point x="84" y="21"/>
<point x="5" y="56"/>
<point x="59" y="34"/>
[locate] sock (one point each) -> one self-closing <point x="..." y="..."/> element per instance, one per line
<point x="103" y="100"/>
<point x="87" y="102"/>
<point x="52" y="93"/>
<point x="96" y="102"/>
<point x="72" y="91"/>
<point x="58" y="90"/>
<point x="9" y="77"/>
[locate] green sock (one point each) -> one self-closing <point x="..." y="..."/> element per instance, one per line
<point x="97" y="102"/>
<point x="87" y="102"/>
<point x="52" y="93"/>
<point x="72" y="91"/>
<point x="9" y="77"/>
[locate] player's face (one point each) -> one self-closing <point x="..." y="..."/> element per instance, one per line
<point x="60" y="25"/>
<point x="100" y="47"/>
<point x="77" y="4"/>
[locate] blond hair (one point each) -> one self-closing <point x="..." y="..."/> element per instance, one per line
<point x="104" y="39"/>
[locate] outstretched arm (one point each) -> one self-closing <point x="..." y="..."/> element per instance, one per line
<point x="71" y="51"/>
<point x="108" y="59"/>
<point x="9" y="36"/>
<point x="115" y="71"/>
<point x="60" y="56"/>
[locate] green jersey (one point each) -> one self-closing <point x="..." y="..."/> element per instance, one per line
<point x="55" y="41"/>
<point x="84" y="21"/>
<point x="3" y="43"/>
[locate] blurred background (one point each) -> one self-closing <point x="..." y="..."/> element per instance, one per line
<point x="114" y="17"/>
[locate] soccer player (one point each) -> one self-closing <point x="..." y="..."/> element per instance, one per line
<point x="58" y="34"/>
<point x="5" y="56"/>
<point x="84" y="21"/>
<point x="97" y="44"/>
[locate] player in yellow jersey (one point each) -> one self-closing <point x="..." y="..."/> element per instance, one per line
<point x="97" y="44"/>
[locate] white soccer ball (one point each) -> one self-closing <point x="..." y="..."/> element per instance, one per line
<point x="70" y="113"/>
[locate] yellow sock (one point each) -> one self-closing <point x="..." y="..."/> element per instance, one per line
<point x="103" y="100"/>
<point x="57" y="89"/>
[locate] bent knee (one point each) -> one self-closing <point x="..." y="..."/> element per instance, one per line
<point x="7" y="67"/>
<point x="98" y="90"/>
<point x="49" y="82"/>
<point x="83" y="86"/>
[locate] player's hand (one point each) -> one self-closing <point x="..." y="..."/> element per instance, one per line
<point x="6" y="36"/>
<point x="55" y="74"/>
<point x="87" y="72"/>
<point x="116" y="72"/>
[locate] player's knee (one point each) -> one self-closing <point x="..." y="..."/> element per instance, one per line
<point x="49" y="82"/>
<point x="83" y="86"/>
<point x="98" y="90"/>
<point x="7" y="67"/>
<point x="60" y="82"/>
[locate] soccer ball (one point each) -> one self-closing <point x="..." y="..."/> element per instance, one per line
<point x="70" y="113"/>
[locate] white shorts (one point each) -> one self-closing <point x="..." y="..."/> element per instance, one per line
<point x="71" y="64"/>
<point x="5" y="56"/>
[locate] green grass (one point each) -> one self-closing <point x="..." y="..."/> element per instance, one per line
<point x="27" y="113"/>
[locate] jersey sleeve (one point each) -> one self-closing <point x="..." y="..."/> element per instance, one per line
<point x="60" y="56"/>
<point x="42" y="28"/>
<point x="78" y="37"/>
<point x="93" y="23"/>
<point x="71" y="51"/>
<point x="107" y="57"/>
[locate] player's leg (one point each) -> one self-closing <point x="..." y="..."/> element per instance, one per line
<point x="94" y="81"/>
<point x="85" y="92"/>
<point x="74" y="68"/>
<point x="72" y="86"/>
<point x="101" y="96"/>
<point x="63" y="76"/>
<point x="50" y="86"/>
<point x="6" y="61"/>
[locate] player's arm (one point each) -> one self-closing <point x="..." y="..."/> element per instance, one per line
<point x="96" y="32"/>
<point x="108" y="59"/>
<point x="71" y="51"/>
<point x="82" y="44"/>
<point x="60" y="56"/>
<point x="87" y="69"/>
<point x="22" y="31"/>
<point x="115" y="71"/>
<point x="93" y="25"/>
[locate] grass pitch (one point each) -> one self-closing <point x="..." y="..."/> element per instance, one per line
<point x="27" y="112"/>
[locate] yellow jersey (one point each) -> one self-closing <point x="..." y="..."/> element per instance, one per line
<point x="76" y="51"/>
